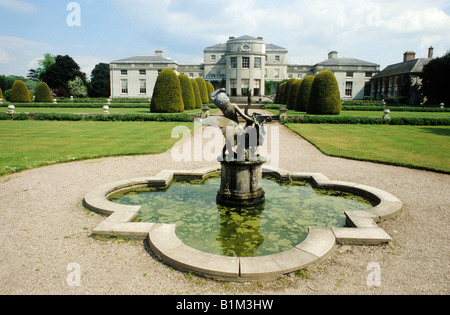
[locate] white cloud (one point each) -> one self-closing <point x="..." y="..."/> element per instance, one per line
<point x="18" y="6"/>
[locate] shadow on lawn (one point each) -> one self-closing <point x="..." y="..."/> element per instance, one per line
<point x="437" y="131"/>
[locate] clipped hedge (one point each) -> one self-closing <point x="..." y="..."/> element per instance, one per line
<point x="304" y="92"/>
<point x="20" y="93"/>
<point x="412" y="121"/>
<point x="198" y="96"/>
<point x="203" y="90"/>
<point x="43" y="94"/>
<point x="325" y="98"/>
<point x="293" y="93"/>
<point x="167" y="94"/>
<point x="187" y="92"/>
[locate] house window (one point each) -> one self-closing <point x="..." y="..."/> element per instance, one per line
<point x="245" y="85"/>
<point x="369" y="74"/>
<point x="124" y="86"/>
<point x="277" y="58"/>
<point x="367" y="89"/>
<point x="256" y="87"/>
<point x="191" y="75"/>
<point x="233" y="87"/>
<point x="233" y="62"/>
<point x="213" y="58"/>
<point x="142" y="72"/>
<point x="245" y="62"/>
<point x="349" y="74"/>
<point x="123" y="72"/>
<point x="277" y="73"/>
<point x="257" y="62"/>
<point x="143" y="86"/>
<point x="349" y="89"/>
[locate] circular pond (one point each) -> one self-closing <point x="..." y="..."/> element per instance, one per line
<point x="278" y="225"/>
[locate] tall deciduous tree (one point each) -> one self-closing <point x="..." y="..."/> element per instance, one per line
<point x="100" y="85"/>
<point x="436" y="80"/>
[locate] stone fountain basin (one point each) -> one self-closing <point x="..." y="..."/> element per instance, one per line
<point x="362" y="228"/>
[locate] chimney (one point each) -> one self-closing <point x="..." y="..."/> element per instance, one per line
<point x="332" y="54"/>
<point x="409" y="55"/>
<point x="430" y="52"/>
<point x="159" y="53"/>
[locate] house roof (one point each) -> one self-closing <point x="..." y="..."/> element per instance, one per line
<point x="247" y="39"/>
<point x="411" y="66"/>
<point x="346" y="62"/>
<point x="145" y="59"/>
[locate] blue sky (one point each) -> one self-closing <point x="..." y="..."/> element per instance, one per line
<point x="378" y="31"/>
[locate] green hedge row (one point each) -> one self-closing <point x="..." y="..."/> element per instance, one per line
<point x="98" y="117"/>
<point x="369" y="108"/>
<point x="413" y="121"/>
<point x="83" y="105"/>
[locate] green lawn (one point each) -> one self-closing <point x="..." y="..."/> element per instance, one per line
<point x="29" y="144"/>
<point x="98" y="110"/>
<point x="353" y="113"/>
<point x="426" y="147"/>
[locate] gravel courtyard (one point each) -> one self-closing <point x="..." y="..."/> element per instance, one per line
<point x="44" y="227"/>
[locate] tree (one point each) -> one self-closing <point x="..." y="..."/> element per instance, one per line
<point x="203" y="90"/>
<point x="293" y="92"/>
<point x="436" y="80"/>
<point x="44" y="64"/>
<point x="77" y="87"/>
<point x="303" y="94"/>
<point x="1" y="95"/>
<point x="43" y="94"/>
<point x="198" y="97"/>
<point x="210" y="89"/>
<point x="100" y="85"/>
<point x="280" y="92"/>
<point x="325" y="98"/>
<point x="58" y="75"/>
<point x="188" y="92"/>
<point x="20" y="93"/>
<point x="167" y="94"/>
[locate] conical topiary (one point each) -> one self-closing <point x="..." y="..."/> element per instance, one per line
<point x="187" y="91"/>
<point x="203" y="90"/>
<point x="303" y="94"/>
<point x="20" y="93"/>
<point x="198" y="97"/>
<point x="43" y="94"/>
<point x="325" y="98"/>
<point x="167" y="94"/>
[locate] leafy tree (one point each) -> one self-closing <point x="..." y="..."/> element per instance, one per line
<point x="293" y="92"/>
<point x="188" y="92"/>
<point x="1" y="95"/>
<point x="58" y="75"/>
<point x="203" y="90"/>
<point x="325" y="98"/>
<point x="44" y="64"/>
<point x="43" y="94"/>
<point x="198" y="96"/>
<point x="303" y="94"/>
<point x="20" y="93"/>
<point x="100" y="85"/>
<point x="436" y="80"/>
<point x="167" y="94"/>
<point x="77" y="87"/>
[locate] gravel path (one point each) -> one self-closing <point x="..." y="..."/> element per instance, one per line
<point x="44" y="228"/>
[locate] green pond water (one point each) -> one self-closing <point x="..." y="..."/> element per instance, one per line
<point x="279" y="224"/>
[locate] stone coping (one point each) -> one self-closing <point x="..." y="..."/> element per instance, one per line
<point x="362" y="228"/>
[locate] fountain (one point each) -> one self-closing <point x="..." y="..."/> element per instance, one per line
<point x="241" y="166"/>
<point x="239" y="210"/>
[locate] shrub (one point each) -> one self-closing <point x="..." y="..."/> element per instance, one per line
<point x="210" y="89"/>
<point x="304" y="92"/>
<point x="43" y="94"/>
<point x="187" y="92"/>
<point x="325" y="98"/>
<point x="198" y="96"/>
<point x="203" y="90"/>
<point x="1" y="95"/>
<point x="286" y="91"/>
<point x="167" y="94"/>
<point x="293" y="92"/>
<point x="280" y="91"/>
<point x="20" y="93"/>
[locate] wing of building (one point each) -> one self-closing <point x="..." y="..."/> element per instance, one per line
<point x="239" y="65"/>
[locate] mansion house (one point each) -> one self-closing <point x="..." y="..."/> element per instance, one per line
<point x="239" y="65"/>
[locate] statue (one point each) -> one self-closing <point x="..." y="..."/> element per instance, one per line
<point x="248" y="138"/>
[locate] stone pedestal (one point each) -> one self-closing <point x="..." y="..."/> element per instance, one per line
<point x="241" y="184"/>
